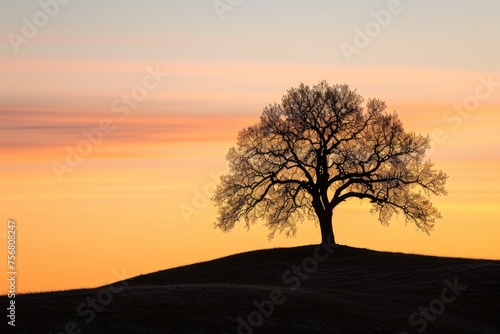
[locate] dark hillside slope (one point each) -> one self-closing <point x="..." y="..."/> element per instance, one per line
<point x="284" y="291"/>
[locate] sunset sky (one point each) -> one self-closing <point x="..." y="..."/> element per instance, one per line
<point x="154" y="93"/>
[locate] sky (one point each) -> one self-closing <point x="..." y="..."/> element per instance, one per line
<point x="116" y="118"/>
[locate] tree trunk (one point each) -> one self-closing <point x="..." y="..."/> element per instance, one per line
<point x="325" y="224"/>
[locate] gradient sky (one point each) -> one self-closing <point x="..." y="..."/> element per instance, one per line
<point x="138" y="201"/>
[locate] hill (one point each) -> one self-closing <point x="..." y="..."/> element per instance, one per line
<point x="305" y="289"/>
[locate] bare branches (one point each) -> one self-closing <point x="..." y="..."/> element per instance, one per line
<point x="318" y="148"/>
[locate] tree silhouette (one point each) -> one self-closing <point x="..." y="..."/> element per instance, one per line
<point x="319" y="148"/>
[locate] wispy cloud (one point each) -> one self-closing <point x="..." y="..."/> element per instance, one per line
<point x="30" y="130"/>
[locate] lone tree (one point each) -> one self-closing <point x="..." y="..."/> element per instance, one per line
<point x="319" y="148"/>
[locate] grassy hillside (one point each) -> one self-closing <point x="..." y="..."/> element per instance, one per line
<point x="291" y="290"/>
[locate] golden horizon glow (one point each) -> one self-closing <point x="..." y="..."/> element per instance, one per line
<point x="129" y="203"/>
<point x="137" y="199"/>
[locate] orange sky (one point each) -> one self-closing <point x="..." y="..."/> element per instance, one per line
<point x="138" y="199"/>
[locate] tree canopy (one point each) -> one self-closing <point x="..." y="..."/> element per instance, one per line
<point x="320" y="147"/>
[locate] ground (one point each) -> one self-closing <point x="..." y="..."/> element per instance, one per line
<point x="288" y="290"/>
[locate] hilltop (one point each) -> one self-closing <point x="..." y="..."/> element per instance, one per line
<point x="286" y="290"/>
